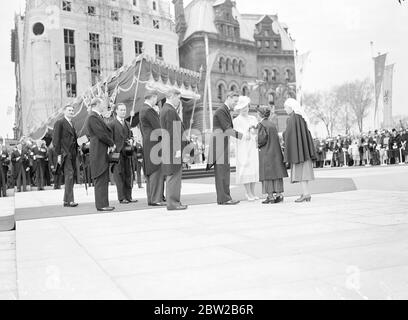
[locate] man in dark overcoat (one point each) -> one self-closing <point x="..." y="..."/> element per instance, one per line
<point x="172" y="148"/>
<point x="66" y="148"/>
<point x="219" y="153"/>
<point x="152" y="136"/>
<point x="122" y="171"/>
<point x="101" y="143"/>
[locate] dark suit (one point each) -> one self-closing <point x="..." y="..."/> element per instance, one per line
<point x="53" y="164"/>
<point x="19" y="159"/>
<point x="4" y="162"/>
<point x="122" y="171"/>
<point x="172" y="133"/>
<point x="149" y="123"/>
<point x="40" y="167"/>
<point x="66" y="146"/>
<point x="101" y="139"/>
<point x="219" y="152"/>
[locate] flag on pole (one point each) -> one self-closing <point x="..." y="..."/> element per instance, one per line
<point x="387" y="95"/>
<point x="379" y="76"/>
<point x="301" y="64"/>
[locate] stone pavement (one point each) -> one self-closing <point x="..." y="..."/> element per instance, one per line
<point x="8" y="280"/>
<point x="347" y="245"/>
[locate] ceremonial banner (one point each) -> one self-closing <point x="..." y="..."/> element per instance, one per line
<point x="387" y="94"/>
<point x="301" y="63"/>
<point x="379" y="76"/>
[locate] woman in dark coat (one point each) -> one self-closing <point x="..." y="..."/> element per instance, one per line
<point x="272" y="169"/>
<point x="299" y="151"/>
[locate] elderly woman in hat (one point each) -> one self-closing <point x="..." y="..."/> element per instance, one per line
<point x="299" y="148"/>
<point x="247" y="161"/>
<point x="272" y="169"/>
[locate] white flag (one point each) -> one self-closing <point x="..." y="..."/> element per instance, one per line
<point x="301" y="64"/>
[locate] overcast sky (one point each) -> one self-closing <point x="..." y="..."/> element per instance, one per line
<point x="338" y="33"/>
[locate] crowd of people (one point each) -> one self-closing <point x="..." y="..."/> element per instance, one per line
<point x="115" y="153"/>
<point x="379" y="147"/>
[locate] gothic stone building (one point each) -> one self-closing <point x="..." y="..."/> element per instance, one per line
<point x="62" y="47"/>
<point x="256" y="54"/>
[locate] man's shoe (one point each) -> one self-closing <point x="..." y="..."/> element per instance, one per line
<point x="70" y="205"/>
<point x="160" y="204"/>
<point x="231" y="203"/>
<point x="179" y="208"/>
<point x="124" y="201"/>
<point x="107" y="209"/>
<point x="279" y="199"/>
<point x="132" y="201"/>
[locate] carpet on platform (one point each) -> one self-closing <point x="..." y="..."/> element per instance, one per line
<point x="319" y="186"/>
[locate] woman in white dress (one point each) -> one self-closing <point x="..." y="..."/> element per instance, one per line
<point x="247" y="154"/>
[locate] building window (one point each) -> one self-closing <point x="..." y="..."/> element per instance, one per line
<point x="95" y="62"/>
<point x="288" y="75"/>
<point x="266" y="33"/>
<point x="259" y="44"/>
<point x="67" y="6"/>
<point x="267" y="44"/>
<point x="117" y="53"/>
<point x="241" y="67"/>
<point x="274" y="74"/>
<point x="138" y="47"/>
<point x="136" y="20"/>
<point x="221" y="64"/>
<point x="135" y="3"/>
<point x="233" y="88"/>
<point x="159" y="51"/>
<point x="154" y="5"/>
<point x="245" y="91"/>
<point x="227" y="65"/>
<point x="221" y="92"/>
<point x="115" y="15"/>
<point x="266" y="75"/>
<point x="71" y="90"/>
<point x="69" y="36"/>
<point x="91" y="10"/>
<point x="156" y="24"/>
<point x="71" y="79"/>
<point x="275" y="44"/>
<point x="235" y="66"/>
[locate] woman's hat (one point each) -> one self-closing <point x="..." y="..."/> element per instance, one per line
<point x="243" y="102"/>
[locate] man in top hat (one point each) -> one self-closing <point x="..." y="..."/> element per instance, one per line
<point x="223" y="129"/>
<point x="19" y="159"/>
<point x="122" y="171"/>
<point x="101" y="144"/>
<point x="66" y="148"/>
<point x="151" y="133"/>
<point x="172" y="148"/>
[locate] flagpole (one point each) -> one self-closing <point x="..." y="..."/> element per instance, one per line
<point x="208" y="79"/>
<point x="375" y="95"/>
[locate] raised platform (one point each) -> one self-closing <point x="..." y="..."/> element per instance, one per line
<point x="7" y="220"/>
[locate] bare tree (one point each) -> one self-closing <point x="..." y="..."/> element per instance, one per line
<point x="322" y="107"/>
<point x="358" y="96"/>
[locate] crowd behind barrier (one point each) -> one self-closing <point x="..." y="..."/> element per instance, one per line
<point x="32" y="165"/>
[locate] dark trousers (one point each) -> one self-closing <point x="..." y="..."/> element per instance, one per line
<point x="57" y="181"/>
<point x="122" y="173"/>
<point x="40" y="174"/>
<point x="155" y="187"/>
<point x="102" y="190"/>
<point x="3" y="182"/>
<point x="69" y="180"/>
<point x="222" y="182"/>
<point x="21" y="178"/>
<point x="138" y="169"/>
<point x="173" y="189"/>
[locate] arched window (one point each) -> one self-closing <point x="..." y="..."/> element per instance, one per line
<point x="241" y="67"/>
<point x="221" y="64"/>
<point x="233" y="88"/>
<point x="228" y="65"/>
<point x="221" y="92"/>
<point x="245" y="91"/>
<point x="235" y="65"/>
<point x="274" y="74"/>
<point x="266" y="75"/>
<point x="154" y="5"/>
<point x="288" y="75"/>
